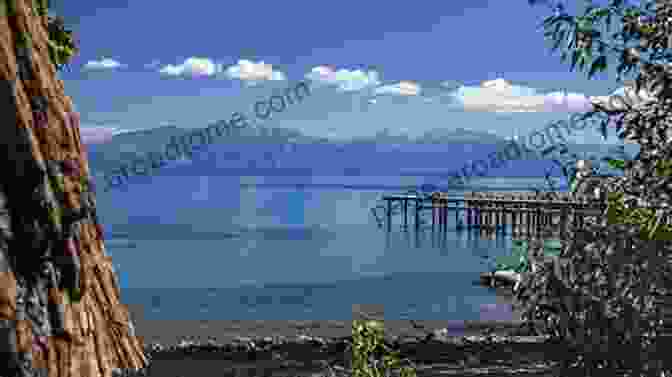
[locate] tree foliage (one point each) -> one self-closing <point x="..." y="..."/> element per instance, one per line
<point x="603" y="295"/>
<point x="62" y="45"/>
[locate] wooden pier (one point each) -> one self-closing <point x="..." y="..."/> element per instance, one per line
<point x="521" y="213"/>
<point x="527" y="215"/>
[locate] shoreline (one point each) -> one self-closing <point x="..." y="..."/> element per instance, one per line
<point x="318" y="348"/>
<point x="307" y="348"/>
<point x="313" y="356"/>
<point x="499" y="354"/>
<point x="227" y="331"/>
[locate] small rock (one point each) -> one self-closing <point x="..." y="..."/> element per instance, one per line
<point x="185" y="343"/>
<point x="441" y="335"/>
<point x="156" y="347"/>
<point x="242" y="339"/>
<point x="304" y="338"/>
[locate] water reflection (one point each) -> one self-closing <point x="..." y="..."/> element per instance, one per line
<point x="451" y="244"/>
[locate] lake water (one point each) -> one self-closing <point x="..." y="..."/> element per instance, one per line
<point x="243" y="248"/>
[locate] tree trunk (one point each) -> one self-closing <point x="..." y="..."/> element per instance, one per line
<point x="52" y="256"/>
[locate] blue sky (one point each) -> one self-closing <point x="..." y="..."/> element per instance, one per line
<point x="384" y="64"/>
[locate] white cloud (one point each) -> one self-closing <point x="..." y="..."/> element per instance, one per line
<point x="252" y="72"/>
<point x="502" y="97"/>
<point x="193" y="67"/>
<point x="503" y="86"/>
<point x="103" y="64"/>
<point x="344" y="79"/>
<point x="403" y="88"/>
<point x="497" y="96"/>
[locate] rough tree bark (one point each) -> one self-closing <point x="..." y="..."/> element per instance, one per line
<point x="51" y="244"/>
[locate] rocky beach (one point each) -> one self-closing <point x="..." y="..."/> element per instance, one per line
<point x="316" y="348"/>
<point x="246" y="348"/>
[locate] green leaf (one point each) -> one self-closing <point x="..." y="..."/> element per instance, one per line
<point x="74" y="294"/>
<point x="599" y="65"/>
<point x="66" y="297"/>
<point x="602" y="12"/>
<point x="654" y="227"/>
<point x="584" y="58"/>
<point x="23" y="39"/>
<point x="664" y="168"/>
<point x="10" y="7"/>
<point x="584" y="24"/>
<point x="616" y="164"/>
<point x="573" y="184"/>
<point x="41" y="7"/>
<point x="55" y="215"/>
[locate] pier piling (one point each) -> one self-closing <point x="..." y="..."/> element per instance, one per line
<point x="522" y="213"/>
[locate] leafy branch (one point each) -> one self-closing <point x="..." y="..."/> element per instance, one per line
<point x="586" y="39"/>
<point x="61" y="44"/>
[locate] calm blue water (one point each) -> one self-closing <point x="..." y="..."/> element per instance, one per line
<point x="243" y="248"/>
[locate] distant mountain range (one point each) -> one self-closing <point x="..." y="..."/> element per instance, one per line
<point x="156" y="136"/>
<point x="322" y="154"/>
<point x="129" y="145"/>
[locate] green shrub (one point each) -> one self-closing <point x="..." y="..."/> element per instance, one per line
<point x="371" y="357"/>
<point x="645" y="218"/>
